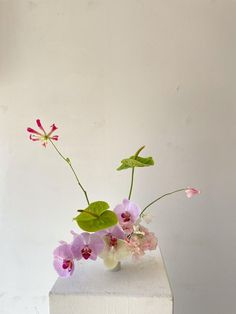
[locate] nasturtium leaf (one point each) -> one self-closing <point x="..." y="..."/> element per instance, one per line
<point x="96" y="217"/>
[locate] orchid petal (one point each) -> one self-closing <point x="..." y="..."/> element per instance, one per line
<point x="122" y="250"/>
<point x="110" y="260"/>
<point x="76" y="247"/>
<point x="127" y="207"/>
<point x="63" y="251"/>
<point x="112" y="255"/>
<point x="96" y="244"/>
<point x="86" y="237"/>
<point x="117" y="232"/>
<point x="62" y="272"/>
<point x="119" y="209"/>
<point x="74" y="233"/>
<point x="132" y="208"/>
<point x="93" y="256"/>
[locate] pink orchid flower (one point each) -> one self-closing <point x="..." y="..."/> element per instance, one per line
<point x="115" y="248"/>
<point x="63" y="260"/>
<point x="190" y="192"/>
<point x="114" y="232"/>
<point x="127" y="214"/>
<point x="42" y="136"/>
<point x="86" y="245"/>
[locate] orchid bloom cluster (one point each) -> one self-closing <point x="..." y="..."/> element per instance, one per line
<point x="112" y="235"/>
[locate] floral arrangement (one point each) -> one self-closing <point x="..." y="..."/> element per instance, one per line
<point x="112" y="235"/>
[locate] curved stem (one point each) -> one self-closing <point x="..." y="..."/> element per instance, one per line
<point x="132" y="182"/>
<point x="160" y="197"/>
<point x="67" y="160"/>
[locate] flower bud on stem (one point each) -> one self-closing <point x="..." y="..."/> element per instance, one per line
<point x="160" y="197"/>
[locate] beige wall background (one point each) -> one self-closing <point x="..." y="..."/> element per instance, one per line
<point x="114" y="75"/>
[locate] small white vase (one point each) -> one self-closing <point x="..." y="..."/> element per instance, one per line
<point x="117" y="267"/>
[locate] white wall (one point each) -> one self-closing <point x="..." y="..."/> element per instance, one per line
<point x="114" y="75"/>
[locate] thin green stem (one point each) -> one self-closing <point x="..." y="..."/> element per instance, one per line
<point x="132" y="183"/>
<point x="67" y="160"/>
<point x="139" y="151"/>
<point x="160" y="197"/>
<point x="132" y="175"/>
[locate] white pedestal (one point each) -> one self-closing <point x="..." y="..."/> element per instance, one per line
<point x="138" y="288"/>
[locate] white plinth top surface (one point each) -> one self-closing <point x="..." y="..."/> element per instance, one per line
<point x="146" y="278"/>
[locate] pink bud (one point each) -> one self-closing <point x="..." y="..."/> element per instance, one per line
<point x="191" y="192"/>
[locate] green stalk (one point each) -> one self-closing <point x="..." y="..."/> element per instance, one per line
<point x="67" y="160"/>
<point x="132" y="182"/>
<point x="160" y="197"/>
<point x="132" y="174"/>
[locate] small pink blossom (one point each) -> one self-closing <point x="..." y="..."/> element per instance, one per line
<point x="141" y="241"/>
<point x="42" y="136"/>
<point x="127" y="214"/>
<point x="190" y="192"/>
<point x="63" y="260"/>
<point x="86" y="246"/>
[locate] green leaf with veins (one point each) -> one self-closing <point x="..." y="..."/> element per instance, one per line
<point x="136" y="161"/>
<point x="96" y="217"/>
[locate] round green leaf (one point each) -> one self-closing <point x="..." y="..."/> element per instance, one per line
<point x="91" y="223"/>
<point x="97" y="207"/>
